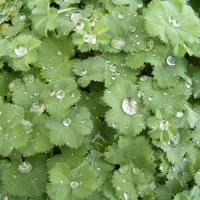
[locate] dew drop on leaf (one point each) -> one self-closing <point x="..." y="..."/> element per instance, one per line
<point x="93" y="23"/>
<point x="67" y="122"/>
<point x="118" y="44"/>
<point x="80" y="26"/>
<point x="120" y="16"/>
<point x="179" y="114"/>
<point x="123" y="170"/>
<point x="25" y="167"/>
<point x="60" y="94"/>
<point x="164" y="125"/>
<point x="126" y="196"/>
<point x="112" y="68"/>
<point x="174" y="22"/>
<point x="129" y="106"/>
<point x="83" y="73"/>
<point x="37" y="108"/>
<point x="75" y="17"/>
<point x="149" y="45"/>
<point x="90" y="38"/>
<point x="140" y="94"/>
<point x="20" y="51"/>
<point x="171" y="61"/>
<point x="132" y="28"/>
<point x="74" y="184"/>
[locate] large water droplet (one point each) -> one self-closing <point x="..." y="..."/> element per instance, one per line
<point x="164" y="125"/>
<point x="179" y="114"/>
<point x="74" y="184"/>
<point x="174" y="139"/>
<point x="20" y="51"/>
<point x="80" y="26"/>
<point x="25" y="167"/>
<point x="129" y="106"/>
<point x="90" y="38"/>
<point x="171" y="60"/>
<point x="67" y="122"/>
<point x="126" y="196"/>
<point x="174" y="22"/>
<point x="118" y="44"/>
<point x="60" y="94"/>
<point x="37" y="108"/>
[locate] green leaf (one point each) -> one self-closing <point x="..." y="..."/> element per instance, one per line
<point x="70" y="129"/>
<point x="25" y="183"/>
<point x="174" y="24"/>
<point x="75" y="183"/>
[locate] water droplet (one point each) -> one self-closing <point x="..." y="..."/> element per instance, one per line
<point x="5" y="198"/>
<point x="83" y="73"/>
<point x="67" y="122"/>
<point x="80" y="26"/>
<point x="174" y="22"/>
<point x="90" y="38"/>
<point x="132" y="28"/>
<point x="169" y="138"/>
<point x="25" y="167"/>
<point x="118" y="44"/>
<point x="120" y="16"/>
<point x="53" y="93"/>
<point x="140" y="5"/>
<point x="27" y="124"/>
<point x="129" y="106"/>
<point x="29" y="78"/>
<point x="164" y="125"/>
<point x="59" y="53"/>
<point x="74" y="184"/>
<point x="112" y="68"/>
<point x="20" y="51"/>
<point x="149" y="45"/>
<point x="179" y="114"/>
<point x="123" y="170"/>
<point x="22" y="17"/>
<point x="93" y="23"/>
<point x="126" y="196"/>
<point x="140" y="94"/>
<point x="60" y="94"/>
<point x="118" y="188"/>
<point x="37" y="108"/>
<point x="171" y="60"/>
<point x="75" y="17"/>
<point x="150" y="98"/>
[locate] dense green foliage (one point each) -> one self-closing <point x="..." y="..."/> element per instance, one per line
<point x="99" y="100"/>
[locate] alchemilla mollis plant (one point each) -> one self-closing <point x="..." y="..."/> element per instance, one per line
<point x="99" y="100"/>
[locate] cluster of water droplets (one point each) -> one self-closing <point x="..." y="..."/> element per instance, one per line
<point x="67" y="122"/>
<point x="129" y="106"/>
<point x="20" y="51"/>
<point x="25" y="167"/>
